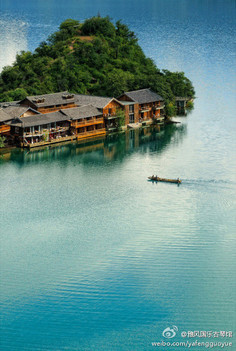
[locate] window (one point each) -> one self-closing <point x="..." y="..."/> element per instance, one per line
<point x="131" y="118"/>
<point x="131" y="108"/>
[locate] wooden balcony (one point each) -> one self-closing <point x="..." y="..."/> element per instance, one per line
<point x="4" y="128"/>
<point x="48" y="142"/>
<point x="89" y="122"/>
<point x="145" y="109"/>
<point x="109" y="116"/>
<point x="30" y="134"/>
<point x="55" y="108"/>
<point x="159" y="107"/>
<point x="41" y="132"/>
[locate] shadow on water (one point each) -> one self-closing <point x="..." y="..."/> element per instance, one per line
<point x="111" y="148"/>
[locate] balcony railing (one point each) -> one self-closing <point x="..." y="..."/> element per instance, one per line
<point x="87" y="122"/>
<point x="30" y="134"/>
<point x="158" y="107"/>
<point x="110" y="115"/>
<point x="48" y="142"/>
<point x="145" y="109"/>
<point x="4" y="128"/>
<point x="49" y="131"/>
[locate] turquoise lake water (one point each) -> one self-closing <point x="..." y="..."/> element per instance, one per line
<point x="94" y="257"/>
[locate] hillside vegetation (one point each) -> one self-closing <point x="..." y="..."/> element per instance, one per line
<point x="94" y="57"/>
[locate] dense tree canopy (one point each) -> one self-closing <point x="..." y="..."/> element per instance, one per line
<point x="95" y="57"/>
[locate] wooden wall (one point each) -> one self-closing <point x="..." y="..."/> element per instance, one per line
<point x="4" y="128"/>
<point x="47" y="109"/>
<point x="137" y="110"/>
<point x="136" y="113"/>
<point x="126" y="110"/>
<point x="124" y="98"/>
<point x="28" y="113"/>
<point x="55" y="108"/>
<point x="113" y="106"/>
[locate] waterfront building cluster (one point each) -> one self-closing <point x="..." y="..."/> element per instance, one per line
<point x="53" y="118"/>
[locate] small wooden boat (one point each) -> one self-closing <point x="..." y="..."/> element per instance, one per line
<point x="158" y="179"/>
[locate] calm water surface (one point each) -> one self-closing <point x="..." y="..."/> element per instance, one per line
<point x="94" y="257"/>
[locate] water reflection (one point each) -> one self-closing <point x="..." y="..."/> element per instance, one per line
<point x="115" y="147"/>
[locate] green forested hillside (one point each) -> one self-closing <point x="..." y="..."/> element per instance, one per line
<point x="94" y="57"/>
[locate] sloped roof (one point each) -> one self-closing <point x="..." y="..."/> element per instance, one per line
<point x="82" y="112"/>
<point x="40" y="119"/>
<point x="51" y="99"/>
<point x="96" y="101"/>
<point x="17" y="110"/>
<point x="182" y="98"/>
<point x="128" y="102"/>
<point x="143" y="96"/>
<point x="4" y="116"/>
<point x="8" y="103"/>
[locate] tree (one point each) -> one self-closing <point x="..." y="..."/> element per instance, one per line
<point x="170" y="109"/>
<point x="70" y="25"/>
<point x="180" y="85"/>
<point x="2" y="140"/>
<point x="117" y="81"/>
<point x="106" y="62"/>
<point x="189" y="105"/>
<point x="120" y="118"/>
<point x="14" y="95"/>
<point x="99" y="26"/>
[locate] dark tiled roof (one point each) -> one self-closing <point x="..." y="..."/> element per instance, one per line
<point x="40" y="119"/>
<point x="143" y="96"/>
<point x="82" y="112"/>
<point x="50" y="99"/>
<point x="182" y="98"/>
<point x="16" y="110"/>
<point x="97" y="101"/>
<point x="9" y="103"/>
<point x="4" y="116"/>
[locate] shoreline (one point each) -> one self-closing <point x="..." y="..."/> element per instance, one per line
<point x="74" y="139"/>
<point x="87" y="141"/>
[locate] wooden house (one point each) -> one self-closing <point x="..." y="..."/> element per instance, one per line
<point x="112" y="111"/>
<point x="86" y="122"/>
<point x="4" y="118"/>
<point x="106" y="105"/>
<point x="181" y="102"/>
<point x="41" y="129"/>
<point x="50" y="102"/>
<point x="52" y="118"/>
<point x="10" y="112"/>
<point x="131" y="110"/>
<point x="147" y="104"/>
